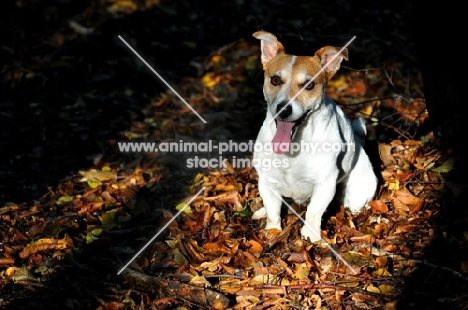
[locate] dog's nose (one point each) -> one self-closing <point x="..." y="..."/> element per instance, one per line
<point x="284" y="109"/>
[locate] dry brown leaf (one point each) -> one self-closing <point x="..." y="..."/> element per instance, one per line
<point x="385" y="152"/>
<point x="216" y="247"/>
<point x="193" y="251"/>
<point x="254" y="247"/>
<point x="98" y="176"/>
<point x="406" y="197"/>
<point x="44" y="245"/>
<point x="363" y="238"/>
<point x="363" y="301"/>
<point x="230" y="286"/>
<point x="404" y="228"/>
<point x="250" y="257"/>
<point x="417" y="207"/>
<point x="227" y="268"/>
<point x="381" y="261"/>
<point x="200" y="280"/>
<point x="380" y="228"/>
<point x="6" y="261"/>
<point x="400" y="206"/>
<point x="377" y="206"/>
<point x="389" y="247"/>
<point x="224" y="188"/>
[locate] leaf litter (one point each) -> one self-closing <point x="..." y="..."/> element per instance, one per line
<point x="214" y="255"/>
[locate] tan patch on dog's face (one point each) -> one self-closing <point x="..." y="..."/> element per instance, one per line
<point x="290" y="73"/>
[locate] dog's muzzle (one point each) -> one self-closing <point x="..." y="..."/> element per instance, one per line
<point x="286" y="130"/>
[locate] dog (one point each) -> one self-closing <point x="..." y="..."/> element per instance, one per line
<point x="299" y="113"/>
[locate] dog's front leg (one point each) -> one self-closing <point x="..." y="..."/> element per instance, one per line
<point x="322" y="195"/>
<point x="271" y="206"/>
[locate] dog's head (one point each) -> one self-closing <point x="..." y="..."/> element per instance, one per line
<point x="294" y="85"/>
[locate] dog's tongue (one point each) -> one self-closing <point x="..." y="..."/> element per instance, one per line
<point x="282" y="138"/>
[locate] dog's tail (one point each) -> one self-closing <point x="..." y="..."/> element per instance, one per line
<point x="359" y="128"/>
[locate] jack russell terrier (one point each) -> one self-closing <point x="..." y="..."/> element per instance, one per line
<point x="313" y="151"/>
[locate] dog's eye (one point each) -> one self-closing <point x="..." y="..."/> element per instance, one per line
<point x="310" y="86"/>
<point x="275" y="80"/>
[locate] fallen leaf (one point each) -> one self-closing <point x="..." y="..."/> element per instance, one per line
<point x="44" y="244"/>
<point x="445" y="167"/>
<point x="406" y="197"/>
<point x="93" y="235"/>
<point x="417" y="207"/>
<point x="385" y="152"/>
<point x="254" y="247"/>
<point x="386" y="289"/>
<point x="382" y="272"/>
<point x="64" y="199"/>
<point x="377" y="206"/>
<point x="109" y="218"/>
<point x="371" y="288"/>
<point x="98" y="176"/>
<point x="184" y="206"/>
<point x="179" y="258"/>
<point x="200" y="280"/>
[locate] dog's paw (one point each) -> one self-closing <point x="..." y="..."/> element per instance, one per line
<point x="357" y="209"/>
<point x="259" y="214"/>
<point x="311" y="235"/>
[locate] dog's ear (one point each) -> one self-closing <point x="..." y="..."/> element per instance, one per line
<point x="269" y="45"/>
<point x="326" y="54"/>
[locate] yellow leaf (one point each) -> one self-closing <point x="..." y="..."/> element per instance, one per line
<point x="210" y="266"/>
<point x="98" y="176"/>
<point x="445" y="167"/>
<point x="93" y="184"/>
<point x="171" y="243"/>
<point x="224" y="188"/>
<point x="301" y="272"/>
<point x="393" y="186"/>
<point x="96" y="231"/>
<point x="59" y="243"/>
<point x="210" y="80"/>
<point x="386" y="288"/>
<point x="199" y="178"/>
<point x="129" y="301"/>
<point x="350" y="284"/>
<point x="200" y="280"/>
<point x="258" y="280"/>
<point x="196" y="246"/>
<point x="93" y="235"/>
<point x="218" y="59"/>
<point x="373" y="289"/>
<point x="179" y="258"/>
<point x="356" y="258"/>
<point x="382" y="272"/>
<point x="184" y="206"/>
<point x="109" y="218"/>
<point x="123" y="6"/>
<point x="10" y="271"/>
<point x="64" y="199"/>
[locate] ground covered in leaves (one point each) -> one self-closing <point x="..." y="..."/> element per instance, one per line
<point x="75" y="210"/>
